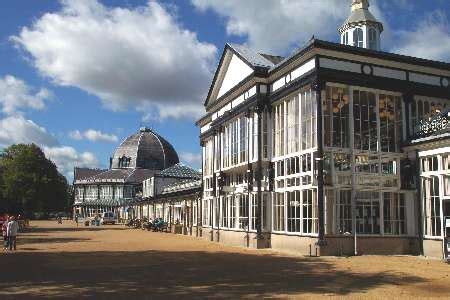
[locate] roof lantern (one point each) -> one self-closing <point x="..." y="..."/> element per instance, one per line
<point x="361" y="29"/>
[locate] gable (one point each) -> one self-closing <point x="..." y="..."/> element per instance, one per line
<point x="236" y="71"/>
<point x="231" y="71"/>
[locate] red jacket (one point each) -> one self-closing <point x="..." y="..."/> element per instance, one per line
<point x="4" y="228"/>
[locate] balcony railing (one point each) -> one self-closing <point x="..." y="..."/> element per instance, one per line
<point x="434" y="125"/>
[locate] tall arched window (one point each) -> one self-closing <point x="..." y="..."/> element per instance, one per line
<point x="345" y="38"/>
<point x="372" y="39"/>
<point x="358" y="38"/>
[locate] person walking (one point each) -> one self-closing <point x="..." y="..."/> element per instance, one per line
<point x="5" y="232"/>
<point x="76" y="219"/>
<point x="12" y="229"/>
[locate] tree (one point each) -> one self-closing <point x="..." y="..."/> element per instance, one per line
<point x="30" y="182"/>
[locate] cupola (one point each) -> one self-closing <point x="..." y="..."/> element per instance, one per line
<point x="361" y="29"/>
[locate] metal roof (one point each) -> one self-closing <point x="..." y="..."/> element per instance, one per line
<point x="114" y="174"/>
<point x="85" y="173"/>
<point x="105" y="202"/>
<point x="252" y="57"/>
<point x="188" y="184"/>
<point x="147" y="150"/>
<point x="180" y="171"/>
<point x="139" y="175"/>
<point x="361" y="15"/>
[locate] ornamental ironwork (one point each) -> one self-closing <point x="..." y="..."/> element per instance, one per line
<point x="436" y="124"/>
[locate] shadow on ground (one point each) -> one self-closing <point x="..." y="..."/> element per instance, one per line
<point x="34" y="229"/>
<point x="159" y="274"/>
<point x="47" y="240"/>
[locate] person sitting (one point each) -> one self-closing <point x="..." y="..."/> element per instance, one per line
<point x="158" y="223"/>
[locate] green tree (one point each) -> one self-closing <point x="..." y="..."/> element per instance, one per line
<point x="30" y="182"/>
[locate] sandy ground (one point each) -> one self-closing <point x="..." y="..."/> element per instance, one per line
<point x="107" y="262"/>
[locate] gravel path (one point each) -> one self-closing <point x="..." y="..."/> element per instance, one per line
<point x="110" y="262"/>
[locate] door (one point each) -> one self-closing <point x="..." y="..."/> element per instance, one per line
<point x="446" y="213"/>
<point x="446" y="208"/>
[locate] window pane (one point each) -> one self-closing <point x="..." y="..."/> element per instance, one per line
<point x="278" y="211"/>
<point x="358" y="38"/>
<point x="367" y="213"/>
<point x="394" y="213"/>
<point x="431" y="204"/>
<point x="294" y="207"/>
<point x="344" y="212"/>
<point x="336" y="117"/>
<point x="243" y="211"/>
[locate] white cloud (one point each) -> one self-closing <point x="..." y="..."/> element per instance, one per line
<point x="129" y="57"/>
<point x="191" y="159"/>
<point x="17" y="129"/>
<point x="175" y="112"/>
<point x="15" y="95"/>
<point x="276" y="26"/>
<point x="93" y="136"/>
<point x="76" y="135"/>
<point x="66" y="158"/>
<point x="279" y="26"/>
<point x="429" y="39"/>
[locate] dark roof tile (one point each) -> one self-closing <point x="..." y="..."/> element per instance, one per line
<point x="85" y="173"/>
<point x="139" y="175"/>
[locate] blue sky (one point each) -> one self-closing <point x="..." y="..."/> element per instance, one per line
<point x="78" y="76"/>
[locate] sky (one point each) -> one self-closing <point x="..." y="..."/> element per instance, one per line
<point x="79" y="76"/>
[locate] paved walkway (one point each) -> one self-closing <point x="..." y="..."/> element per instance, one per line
<point x="116" y="262"/>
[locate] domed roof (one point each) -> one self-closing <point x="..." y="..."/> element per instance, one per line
<point x="146" y="150"/>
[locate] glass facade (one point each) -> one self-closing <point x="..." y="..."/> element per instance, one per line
<point x="295" y="143"/>
<point x="363" y="132"/>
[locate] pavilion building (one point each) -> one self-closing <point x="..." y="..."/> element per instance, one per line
<point x="139" y="157"/>
<point x="335" y="149"/>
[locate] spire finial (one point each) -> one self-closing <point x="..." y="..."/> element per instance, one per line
<point x="360" y="4"/>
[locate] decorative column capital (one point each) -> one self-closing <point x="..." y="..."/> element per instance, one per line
<point x="262" y="105"/>
<point x="259" y="107"/>
<point x="317" y="84"/>
<point x="408" y="97"/>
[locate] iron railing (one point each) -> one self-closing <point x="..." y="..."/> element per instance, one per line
<point x="434" y="125"/>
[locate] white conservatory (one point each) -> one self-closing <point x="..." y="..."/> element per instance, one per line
<point x="335" y="149"/>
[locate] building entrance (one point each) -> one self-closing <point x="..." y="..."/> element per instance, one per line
<point x="446" y="208"/>
<point x="446" y="211"/>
